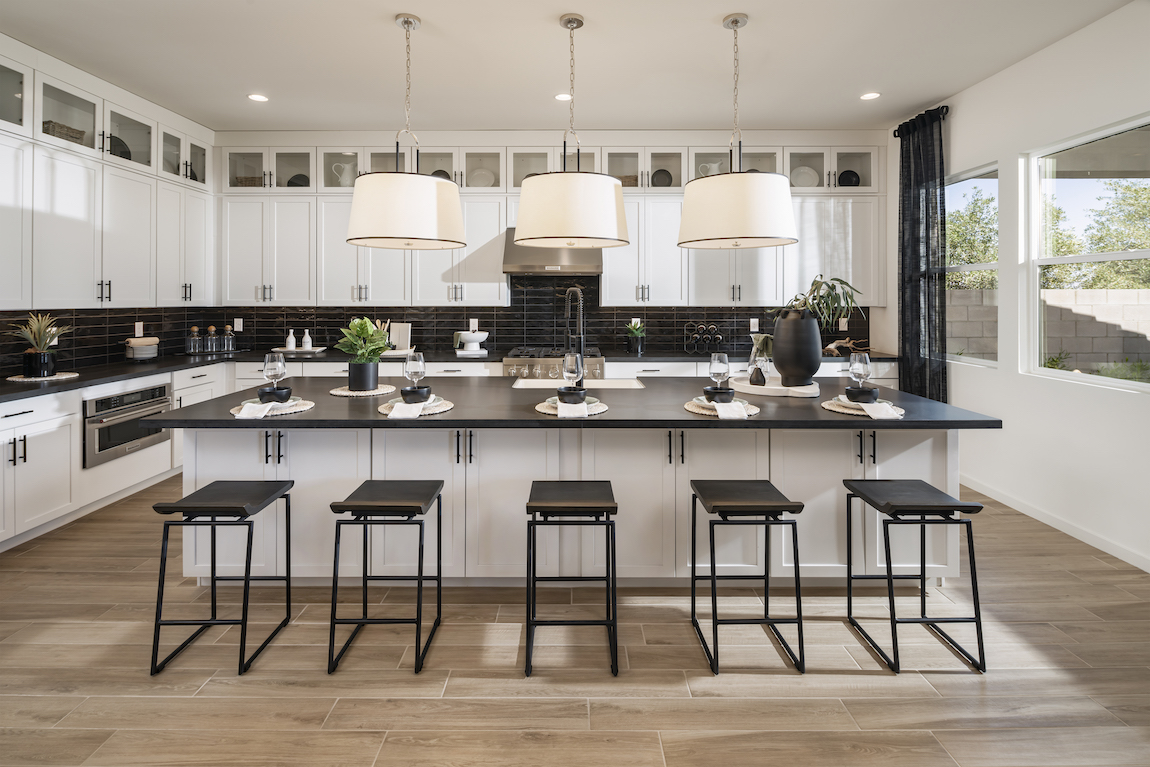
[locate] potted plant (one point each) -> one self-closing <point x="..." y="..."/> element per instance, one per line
<point x="40" y="332"/>
<point x="364" y="340"/>
<point x="798" y="347"/>
<point x="636" y="337"/>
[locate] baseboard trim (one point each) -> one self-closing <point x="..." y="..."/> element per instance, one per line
<point x="1113" y="548"/>
<point x="84" y="511"/>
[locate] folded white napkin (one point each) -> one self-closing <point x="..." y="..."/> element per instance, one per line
<point x="255" y="410"/>
<point x="879" y="411"/>
<point x="572" y="411"/>
<point x="405" y="410"/>
<point x="730" y="410"/>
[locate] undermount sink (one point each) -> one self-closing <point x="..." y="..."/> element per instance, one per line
<point x="590" y="383"/>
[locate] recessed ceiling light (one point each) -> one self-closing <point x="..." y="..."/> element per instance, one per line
<point x="257" y="97"/>
<point x="869" y="96"/>
<point x="562" y="96"/>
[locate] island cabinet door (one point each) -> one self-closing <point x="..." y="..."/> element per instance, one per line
<point x="931" y="456"/>
<point x="501" y="464"/>
<point x="420" y="454"/>
<point x="719" y="454"/>
<point x="640" y="464"/>
<point x="326" y="465"/>
<point x="231" y="454"/>
<point x="810" y="466"/>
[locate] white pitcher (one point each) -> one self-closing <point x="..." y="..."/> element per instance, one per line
<point x="346" y="173"/>
<point x="710" y="168"/>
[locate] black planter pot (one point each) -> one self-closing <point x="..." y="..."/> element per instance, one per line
<point x="39" y="364"/>
<point x="636" y="344"/>
<point x="798" y="347"/>
<point x="363" y="376"/>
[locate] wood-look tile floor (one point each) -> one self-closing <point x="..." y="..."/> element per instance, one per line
<point x="1068" y="644"/>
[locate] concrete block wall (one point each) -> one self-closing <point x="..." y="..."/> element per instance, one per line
<point x="972" y="323"/>
<point x="1096" y="326"/>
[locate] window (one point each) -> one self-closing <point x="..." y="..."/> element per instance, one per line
<point x="972" y="265"/>
<point x="1093" y="257"/>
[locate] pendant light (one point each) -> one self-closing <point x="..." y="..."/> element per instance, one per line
<point x="406" y="211"/>
<point x="737" y="209"/>
<point x="571" y="209"/>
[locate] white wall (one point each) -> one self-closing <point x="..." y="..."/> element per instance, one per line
<point x="1072" y="454"/>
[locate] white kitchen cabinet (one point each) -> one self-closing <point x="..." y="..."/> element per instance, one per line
<point x="745" y="277"/>
<point x="184" y="237"/>
<point x="186" y="397"/>
<point x="15" y="220"/>
<point x="712" y="160"/>
<point x="246" y="375"/>
<point x="9" y="455"/>
<point x="622" y="282"/>
<point x="471" y="276"/>
<point x="648" y="169"/>
<point x="68" y="117"/>
<point x="269" y="250"/>
<point x="66" y="230"/>
<point x="684" y="368"/>
<point x="529" y="161"/>
<point x="352" y="275"/>
<point x="735" y="454"/>
<point x="382" y="159"/>
<point x="501" y="464"/>
<point x="128" y="261"/>
<point x="41" y="462"/>
<point x="466" y="369"/>
<point x="827" y="166"/>
<point x="15" y="97"/>
<point x="478" y="169"/>
<point x="420" y="454"/>
<point x="652" y="269"/>
<point x="639" y="463"/>
<point x="263" y="170"/>
<point x="339" y="167"/>
<point x="129" y="139"/>
<point x="838" y="237"/>
<point x="184" y="159"/>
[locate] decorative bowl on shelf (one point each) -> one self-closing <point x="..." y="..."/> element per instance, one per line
<point x="861" y="394"/>
<point x="571" y="395"/>
<point x="718" y="394"/>
<point x="274" y="394"/>
<point x="414" y="394"/>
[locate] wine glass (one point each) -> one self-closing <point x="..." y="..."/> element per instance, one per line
<point x="859" y="367"/>
<point x="572" y="368"/>
<point x="275" y="368"/>
<point x="414" y="367"/>
<point x="720" y="369"/>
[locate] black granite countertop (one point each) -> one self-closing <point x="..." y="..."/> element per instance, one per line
<point x="483" y="403"/>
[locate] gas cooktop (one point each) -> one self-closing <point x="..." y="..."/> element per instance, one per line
<point x="519" y="352"/>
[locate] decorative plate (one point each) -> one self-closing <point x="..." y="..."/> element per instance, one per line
<point x="441" y="174"/>
<point x="805" y="177"/>
<point x="555" y="401"/>
<point x="848" y="178"/>
<point x="299" y="179"/>
<point x="480" y="178"/>
<point x="661" y="177"/>
<point x="117" y="147"/>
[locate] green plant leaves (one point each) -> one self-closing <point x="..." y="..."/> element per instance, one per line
<point x="40" y="331"/>
<point x="364" y="340"/>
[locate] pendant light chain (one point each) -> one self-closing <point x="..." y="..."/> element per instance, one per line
<point x="407" y="94"/>
<point x="571" y="103"/>
<point x="736" y="31"/>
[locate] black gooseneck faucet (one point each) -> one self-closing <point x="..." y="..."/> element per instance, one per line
<point x="579" y="327"/>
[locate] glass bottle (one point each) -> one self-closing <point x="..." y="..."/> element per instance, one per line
<point x="212" y="342"/>
<point x="194" y="344"/>
<point x="229" y="341"/>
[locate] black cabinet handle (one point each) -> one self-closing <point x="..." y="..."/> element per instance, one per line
<point x="179" y="401"/>
<point x="190" y="291"/>
<point x="13" y="415"/>
<point x="670" y="447"/>
<point x="272" y="292"/>
<point x="13" y="451"/>
<point x="470" y="446"/>
<point x="267" y="448"/>
<point x="682" y="447"/>
<point x="740" y="292"/>
<point x="860" y="447"/>
<point x="271" y="179"/>
<point x="24" y="457"/>
<point x="101" y="296"/>
<point x="458" y="454"/>
<point x="874" y="447"/>
<point x="279" y="447"/>
<point x="201" y="375"/>
<point x="109" y="290"/>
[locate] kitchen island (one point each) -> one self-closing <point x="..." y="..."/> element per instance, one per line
<point x="493" y="444"/>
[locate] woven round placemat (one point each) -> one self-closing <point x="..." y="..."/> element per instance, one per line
<point x="546" y="408"/>
<point x="343" y="391"/>
<point x="835" y="407"/>
<point x="57" y="377"/>
<point x="302" y="406"/>
<point x="697" y="409"/>
<point x="442" y="407"/>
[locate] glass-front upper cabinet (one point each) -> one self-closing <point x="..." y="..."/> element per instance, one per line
<point x="383" y="160"/>
<point x="829" y="169"/>
<point x="183" y="158"/>
<point x="293" y="169"/>
<point x="482" y="170"/>
<point x="129" y="138"/>
<point x="709" y="161"/>
<point x="260" y="170"/>
<point x="15" y="97"/>
<point x="650" y="169"/>
<point x="338" y="168"/>
<point x="588" y="160"/>
<point x="442" y="162"/>
<point x="531" y="161"/>
<point x="68" y="117"/>
<point x="809" y="168"/>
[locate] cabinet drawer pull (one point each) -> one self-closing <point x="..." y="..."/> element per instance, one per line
<point x="457" y="451"/>
<point x="682" y="447"/>
<point x="13" y="443"/>
<point x="874" y="447"/>
<point x="860" y="453"/>
<point x="279" y="447"/>
<point x="24" y="440"/>
<point x="470" y="446"/>
<point x="670" y="447"/>
<point x="651" y="370"/>
<point x="267" y="448"/>
<point x="451" y="371"/>
<point x="201" y="375"/>
<point x="13" y="415"/>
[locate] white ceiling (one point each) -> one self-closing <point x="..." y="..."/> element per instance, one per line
<point x="641" y="64"/>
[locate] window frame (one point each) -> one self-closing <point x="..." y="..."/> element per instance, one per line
<point x="1034" y="261"/>
<point x="956" y="178"/>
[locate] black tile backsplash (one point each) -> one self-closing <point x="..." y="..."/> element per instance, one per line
<point x="535" y="318"/>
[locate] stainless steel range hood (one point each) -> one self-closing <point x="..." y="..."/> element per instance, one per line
<point x="518" y="259"/>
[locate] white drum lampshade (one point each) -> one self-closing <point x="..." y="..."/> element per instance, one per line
<point x="571" y="210"/>
<point x="405" y="211"/>
<point x="738" y="210"/>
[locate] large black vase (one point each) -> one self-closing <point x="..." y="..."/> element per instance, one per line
<point x="39" y="364"/>
<point x="798" y="347"/>
<point x="363" y="376"/>
<point x="636" y="344"/>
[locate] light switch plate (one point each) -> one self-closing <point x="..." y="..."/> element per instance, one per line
<point x="238" y="324"/>
<point x="754" y="324"/>
<point x="139" y="330"/>
<point x="474" y="325"/>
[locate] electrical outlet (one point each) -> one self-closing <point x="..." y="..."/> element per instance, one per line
<point x="634" y="320"/>
<point x="139" y="330"/>
<point x="842" y="323"/>
<point x="55" y="341"/>
<point x="754" y="324"/>
<point x="474" y="325"/>
<point x="238" y="324"/>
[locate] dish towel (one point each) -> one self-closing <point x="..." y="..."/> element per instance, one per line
<point x="733" y="410"/>
<point x="880" y="411"/>
<point x="405" y="410"/>
<point x="253" y="410"/>
<point x="572" y="411"/>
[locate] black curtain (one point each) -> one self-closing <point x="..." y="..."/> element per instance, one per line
<point x="922" y="256"/>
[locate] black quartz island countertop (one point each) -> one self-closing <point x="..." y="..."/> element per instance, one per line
<point x="485" y="403"/>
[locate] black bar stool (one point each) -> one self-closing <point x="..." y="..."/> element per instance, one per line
<point x="899" y="498"/>
<point x="379" y="503"/>
<point x="241" y="500"/>
<point x="591" y="503"/>
<point x="734" y="501"/>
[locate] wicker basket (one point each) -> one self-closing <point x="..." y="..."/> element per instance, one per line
<point x="629" y="180"/>
<point x="59" y="130"/>
<point x="249" y="181"/>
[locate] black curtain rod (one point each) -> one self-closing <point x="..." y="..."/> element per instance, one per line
<point x="927" y="117"/>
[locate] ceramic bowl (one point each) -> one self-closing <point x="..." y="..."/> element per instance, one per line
<point x="571" y="395"/>
<point x="861" y="394"/>
<point x="274" y="394"/>
<point x="717" y="394"/>
<point x="413" y="394"/>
